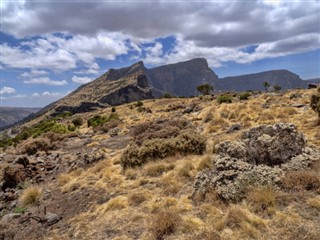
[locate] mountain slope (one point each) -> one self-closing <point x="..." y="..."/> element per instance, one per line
<point x="10" y="115"/>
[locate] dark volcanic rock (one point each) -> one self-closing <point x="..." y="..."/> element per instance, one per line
<point x="182" y="79"/>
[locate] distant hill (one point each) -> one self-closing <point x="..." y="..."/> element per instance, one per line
<point x="313" y="80"/>
<point x="10" y="115"/>
<point x="283" y="78"/>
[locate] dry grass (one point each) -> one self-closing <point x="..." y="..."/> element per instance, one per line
<point x="164" y="223"/>
<point x="262" y="200"/>
<point x="302" y="180"/>
<point x="31" y="196"/>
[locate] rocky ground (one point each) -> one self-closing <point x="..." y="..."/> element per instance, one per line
<point x="257" y="178"/>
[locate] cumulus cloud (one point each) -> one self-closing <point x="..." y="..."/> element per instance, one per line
<point x="45" y="81"/>
<point x="34" y="72"/>
<point x="7" y="90"/>
<point x="215" y="24"/>
<point x="81" y="80"/>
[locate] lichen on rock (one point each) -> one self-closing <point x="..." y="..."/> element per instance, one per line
<point x="260" y="158"/>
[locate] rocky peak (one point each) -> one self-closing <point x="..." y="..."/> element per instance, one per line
<point x="116" y="74"/>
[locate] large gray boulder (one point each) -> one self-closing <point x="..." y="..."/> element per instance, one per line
<point x="260" y="158"/>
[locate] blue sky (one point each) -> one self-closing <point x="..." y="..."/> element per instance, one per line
<point x="49" y="48"/>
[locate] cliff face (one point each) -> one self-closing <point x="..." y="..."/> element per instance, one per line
<point x="115" y="87"/>
<point x="182" y="78"/>
<point x="283" y="78"/>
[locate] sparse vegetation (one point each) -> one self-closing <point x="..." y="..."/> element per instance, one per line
<point x="244" y="96"/>
<point x="224" y="99"/>
<point x="31" y="196"/>
<point x="164" y="223"/>
<point x="205" y="89"/>
<point x="266" y="86"/>
<point x="77" y="122"/>
<point x="99" y="120"/>
<point x="315" y="102"/>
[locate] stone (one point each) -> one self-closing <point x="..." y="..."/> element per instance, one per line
<point x="51" y="218"/>
<point x="114" y="132"/>
<point x="9" y="217"/>
<point x="234" y="127"/>
<point x="23" y="160"/>
<point x="261" y="157"/>
<point x="188" y="109"/>
<point x="298" y="105"/>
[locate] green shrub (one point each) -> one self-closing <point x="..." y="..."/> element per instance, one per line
<point x="64" y="114"/>
<point x="77" y="122"/>
<point x="139" y="104"/>
<point x="71" y="127"/>
<point x="99" y="120"/>
<point x="20" y="210"/>
<point x="205" y="89"/>
<point x="224" y="99"/>
<point x="244" y="96"/>
<point x="187" y="142"/>
<point x="167" y="95"/>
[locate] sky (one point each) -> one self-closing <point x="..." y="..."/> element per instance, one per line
<point x="49" y="48"/>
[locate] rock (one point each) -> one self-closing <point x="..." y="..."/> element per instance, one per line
<point x="51" y="218"/>
<point x="94" y="156"/>
<point x="234" y="127"/>
<point x="188" y="109"/>
<point x="298" y="105"/>
<point x="260" y="157"/>
<point x="9" y="217"/>
<point x="114" y="132"/>
<point x="23" y="160"/>
<point x="295" y="95"/>
<point x="12" y="176"/>
<point x="265" y="105"/>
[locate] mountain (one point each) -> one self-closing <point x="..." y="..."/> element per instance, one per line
<point x="182" y="79"/>
<point x="10" y="115"/>
<point x="283" y="78"/>
<point x="115" y="87"/>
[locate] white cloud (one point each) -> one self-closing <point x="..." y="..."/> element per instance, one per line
<point x="51" y="94"/>
<point x="81" y="80"/>
<point x="34" y="72"/>
<point x="45" y="81"/>
<point x="7" y="90"/>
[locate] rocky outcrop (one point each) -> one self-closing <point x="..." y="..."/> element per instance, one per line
<point x="182" y="79"/>
<point x="260" y="158"/>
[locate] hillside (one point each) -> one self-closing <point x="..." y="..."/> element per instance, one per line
<point x="285" y="79"/>
<point x="10" y="115"/>
<point x="161" y="169"/>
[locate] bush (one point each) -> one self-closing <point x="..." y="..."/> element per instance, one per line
<point x="244" y="96"/>
<point x="139" y="104"/>
<point x="205" y="89"/>
<point x="31" y="196"/>
<point x="187" y="142"/>
<point x="315" y="102"/>
<point x="167" y="95"/>
<point x="71" y="127"/>
<point x="40" y="144"/>
<point x="224" y="99"/>
<point x="164" y="223"/>
<point x="98" y="120"/>
<point x="77" y="122"/>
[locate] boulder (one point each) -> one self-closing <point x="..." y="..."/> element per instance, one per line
<point x="260" y="158"/>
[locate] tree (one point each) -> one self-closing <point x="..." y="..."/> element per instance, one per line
<point x="266" y="86"/>
<point x="205" y="89"/>
<point x="277" y="87"/>
<point x="315" y="102"/>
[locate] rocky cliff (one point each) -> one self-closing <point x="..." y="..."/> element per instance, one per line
<point x="182" y="79"/>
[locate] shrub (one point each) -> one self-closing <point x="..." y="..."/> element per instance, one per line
<point x="187" y="142"/>
<point x="139" y="104"/>
<point x="106" y="127"/>
<point x="167" y="95"/>
<point x="71" y="127"/>
<point x="31" y="196"/>
<point x="77" y="122"/>
<point x="244" y="96"/>
<point x="64" y="114"/>
<point x="113" y="109"/>
<point x="276" y="88"/>
<point x="315" y="102"/>
<point x="20" y="210"/>
<point x="164" y="223"/>
<point x="205" y="89"/>
<point x="40" y="144"/>
<point x="98" y="120"/>
<point x="224" y="99"/>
